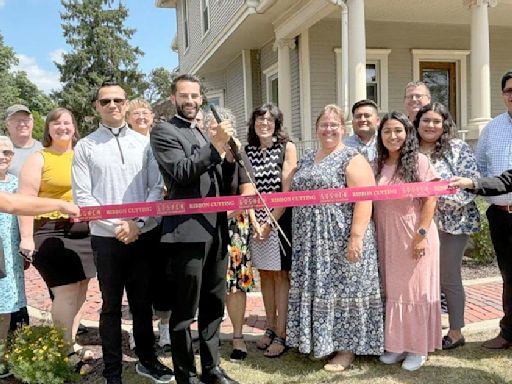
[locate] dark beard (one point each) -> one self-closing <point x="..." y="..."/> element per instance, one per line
<point x="180" y="112"/>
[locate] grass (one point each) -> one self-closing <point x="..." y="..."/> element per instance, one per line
<point x="470" y="364"/>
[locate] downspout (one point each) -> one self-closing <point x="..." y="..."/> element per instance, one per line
<point x="344" y="55"/>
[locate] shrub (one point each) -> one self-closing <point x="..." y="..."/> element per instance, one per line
<point x="38" y="354"/>
<point x="483" y="250"/>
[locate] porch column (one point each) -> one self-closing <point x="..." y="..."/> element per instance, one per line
<point x="356" y="51"/>
<point x="480" y="66"/>
<point x="285" y="80"/>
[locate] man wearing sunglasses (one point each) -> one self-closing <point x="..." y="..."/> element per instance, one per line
<point x="115" y="165"/>
<point x="494" y="156"/>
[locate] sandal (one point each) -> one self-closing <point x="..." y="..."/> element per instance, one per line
<point x="270" y="335"/>
<point x="277" y="341"/>
<point x="84" y="354"/>
<point x="238" y="355"/>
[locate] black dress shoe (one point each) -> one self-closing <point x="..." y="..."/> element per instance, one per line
<point x="216" y="375"/>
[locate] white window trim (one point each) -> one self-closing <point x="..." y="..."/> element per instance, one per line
<point x="270" y="74"/>
<point x="186" y="26"/>
<point x="216" y="93"/>
<point x="203" y="31"/>
<point x="459" y="57"/>
<point x="373" y="56"/>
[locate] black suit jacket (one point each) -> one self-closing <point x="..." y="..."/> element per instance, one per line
<point x="494" y="186"/>
<point x="189" y="171"/>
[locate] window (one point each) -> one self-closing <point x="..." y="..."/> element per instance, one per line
<point x="272" y="84"/>
<point x="376" y="76"/>
<point x="215" y="97"/>
<point x="205" y="15"/>
<point x="372" y="81"/>
<point x="185" y="23"/>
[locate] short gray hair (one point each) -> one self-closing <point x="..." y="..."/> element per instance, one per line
<point x="224" y="113"/>
<point x="4" y="140"/>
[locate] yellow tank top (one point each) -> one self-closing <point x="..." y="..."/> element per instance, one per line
<point x="56" y="179"/>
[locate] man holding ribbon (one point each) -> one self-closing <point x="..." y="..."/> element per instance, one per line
<point x="114" y="165"/>
<point x="191" y="164"/>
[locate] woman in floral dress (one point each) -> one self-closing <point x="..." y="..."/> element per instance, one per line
<point x="335" y="305"/>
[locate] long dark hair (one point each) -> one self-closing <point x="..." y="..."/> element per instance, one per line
<point x="277" y="115"/>
<point x="407" y="167"/>
<point x="449" y="128"/>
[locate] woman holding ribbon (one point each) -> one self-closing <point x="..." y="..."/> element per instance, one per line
<point x="61" y="250"/>
<point x="408" y="246"/>
<point x="273" y="158"/>
<point x="335" y="302"/>
<point x="240" y="276"/>
<point x="456" y="215"/>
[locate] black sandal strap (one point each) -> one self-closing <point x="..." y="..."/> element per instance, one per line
<point x="279" y="340"/>
<point x="270" y="333"/>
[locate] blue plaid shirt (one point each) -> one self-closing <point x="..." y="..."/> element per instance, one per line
<point x="368" y="150"/>
<point x="494" y="152"/>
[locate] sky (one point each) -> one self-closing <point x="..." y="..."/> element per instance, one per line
<point x="33" y="29"/>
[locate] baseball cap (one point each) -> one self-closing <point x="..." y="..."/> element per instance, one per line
<point x="16" y="108"/>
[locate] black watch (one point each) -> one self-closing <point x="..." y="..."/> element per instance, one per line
<point x="422" y="232"/>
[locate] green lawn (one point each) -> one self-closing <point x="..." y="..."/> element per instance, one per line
<point x="469" y="364"/>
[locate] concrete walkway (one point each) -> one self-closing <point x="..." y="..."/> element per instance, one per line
<point x="483" y="305"/>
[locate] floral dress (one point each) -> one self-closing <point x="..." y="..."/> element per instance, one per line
<point x="12" y="287"/>
<point x="333" y="304"/>
<point x="240" y="275"/>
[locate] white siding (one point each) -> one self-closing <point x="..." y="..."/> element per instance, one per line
<point x="235" y="95"/>
<point x="221" y="12"/>
<point x="296" y="120"/>
<point x="323" y="38"/>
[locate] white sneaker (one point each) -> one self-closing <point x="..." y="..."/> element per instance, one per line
<point x="131" y="339"/>
<point x="392" y="357"/>
<point x="165" y="338"/>
<point x="413" y="362"/>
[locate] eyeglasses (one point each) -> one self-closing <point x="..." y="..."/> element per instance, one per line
<point x="7" y="153"/>
<point x="21" y="121"/>
<point x="105" y="102"/>
<point x="329" y="125"/>
<point x="417" y="96"/>
<point x="141" y="114"/>
<point x="507" y="92"/>
<point x="262" y="119"/>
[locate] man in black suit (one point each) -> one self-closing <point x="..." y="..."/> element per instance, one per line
<point x="191" y="165"/>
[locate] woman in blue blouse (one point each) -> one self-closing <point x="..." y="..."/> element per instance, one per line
<point x="456" y="215"/>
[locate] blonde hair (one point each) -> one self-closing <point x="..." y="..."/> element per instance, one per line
<point x="4" y="140"/>
<point x="331" y="108"/>
<point x="138" y="103"/>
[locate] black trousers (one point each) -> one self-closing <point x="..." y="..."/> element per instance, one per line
<point x="124" y="266"/>
<point x="197" y="280"/>
<point x="500" y="225"/>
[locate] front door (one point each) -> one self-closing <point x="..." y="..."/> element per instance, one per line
<point x="441" y="79"/>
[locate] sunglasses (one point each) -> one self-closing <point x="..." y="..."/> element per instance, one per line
<point x="105" y="102"/>
<point x="7" y="153"/>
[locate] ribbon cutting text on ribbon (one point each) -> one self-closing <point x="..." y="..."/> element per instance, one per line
<point x="273" y="200"/>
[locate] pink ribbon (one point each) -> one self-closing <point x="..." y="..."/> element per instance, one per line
<point x="273" y="200"/>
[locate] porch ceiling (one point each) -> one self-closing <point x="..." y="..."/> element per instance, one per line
<point x="433" y="11"/>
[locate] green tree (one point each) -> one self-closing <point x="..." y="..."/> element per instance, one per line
<point x="159" y="85"/>
<point x="100" y="49"/>
<point x="30" y="95"/>
<point x="8" y="91"/>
